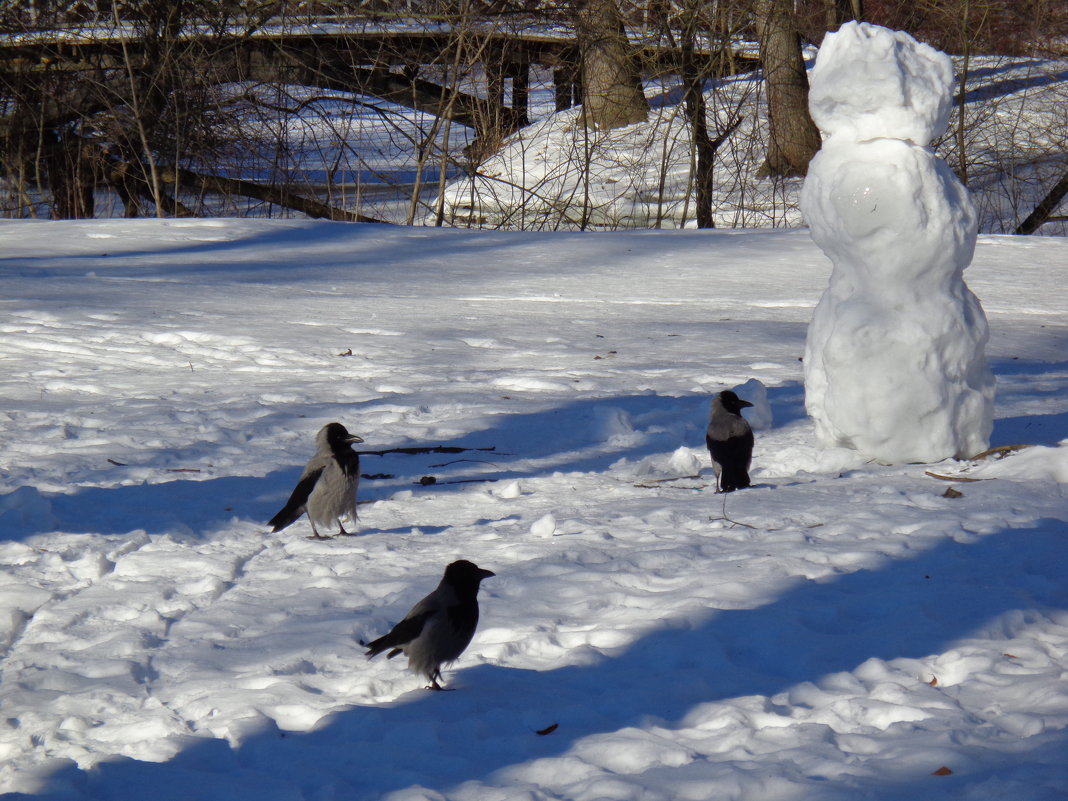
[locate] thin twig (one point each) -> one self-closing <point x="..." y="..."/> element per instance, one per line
<point x="457" y="461"/>
<point x="431" y="449"/>
<point x="734" y="522"/>
<point x="673" y="478"/>
<point x="671" y="486"/>
<point x="1000" y="450"/>
<point x="435" y="483"/>
<point x="953" y="478"/>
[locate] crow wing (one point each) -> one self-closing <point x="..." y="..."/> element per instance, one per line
<point x="297" y="502"/>
<point x="732" y="456"/>
<point x="401" y="634"/>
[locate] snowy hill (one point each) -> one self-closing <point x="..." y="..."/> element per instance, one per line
<point x="842" y="630"/>
<point x="554" y="174"/>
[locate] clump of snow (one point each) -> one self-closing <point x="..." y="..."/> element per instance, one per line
<point x="1037" y="463"/>
<point x="681" y="463"/>
<point x="684" y="462"/>
<point x="759" y="415"/>
<point x="508" y="490"/>
<point x="26" y="506"/>
<point x="613" y="425"/>
<point x="544" y="526"/>
<point x="895" y="362"/>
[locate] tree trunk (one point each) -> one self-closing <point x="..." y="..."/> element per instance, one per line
<point x="566" y="86"/>
<point x="612" y="93"/>
<point x="706" y="153"/>
<point x="842" y="11"/>
<point x="279" y="196"/>
<point x="1044" y="210"/>
<point x="793" y="138"/>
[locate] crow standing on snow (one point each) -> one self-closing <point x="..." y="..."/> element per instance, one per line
<point x="730" y="442"/>
<point x="327" y="487"/>
<point x="439" y="627"/>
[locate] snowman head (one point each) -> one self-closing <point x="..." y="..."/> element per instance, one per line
<point x="870" y="82"/>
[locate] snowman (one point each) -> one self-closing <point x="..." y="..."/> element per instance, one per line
<point x="894" y="363"/>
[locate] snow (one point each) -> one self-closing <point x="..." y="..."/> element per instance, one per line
<point x="870" y="82"/>
<point x="895" y="361"/>
<point x="842" y="630"/>
<point x="760" y="415"/>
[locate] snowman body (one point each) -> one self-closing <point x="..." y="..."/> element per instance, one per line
<point x="895" y="363"/>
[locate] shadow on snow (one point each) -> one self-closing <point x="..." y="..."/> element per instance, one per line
<point x="487" y="730"/>
<point x="583" y="436"/>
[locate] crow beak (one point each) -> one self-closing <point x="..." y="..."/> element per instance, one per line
<point x="354" y="438"/>
<point x="483" y="574"/>
<point x="743" y="403"/>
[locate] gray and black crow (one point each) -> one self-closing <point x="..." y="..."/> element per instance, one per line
<point x="439" y="627"/>
<point x="730" y="442"/>
<point x="327" y="487"/>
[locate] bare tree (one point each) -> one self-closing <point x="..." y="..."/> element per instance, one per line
<point x="239" y="107"/>
<point x="708" y="23"/>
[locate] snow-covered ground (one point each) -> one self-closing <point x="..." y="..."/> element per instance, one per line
<point x="842" y="630"/>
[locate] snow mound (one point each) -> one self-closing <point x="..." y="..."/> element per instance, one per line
<point x="759" y="415"/>
<point x="680" y="463"/>
<point x="1036" y="463"/>
<point x="25" y="508"/>
<point x="554" y="174"/>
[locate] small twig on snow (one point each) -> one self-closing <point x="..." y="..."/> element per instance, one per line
<point x="953" y="478"/>
<point x="1000" y="451"/>
<point x="457" y="461"/>
<point x="432" y="481"/>
<point x="430" y="449"/>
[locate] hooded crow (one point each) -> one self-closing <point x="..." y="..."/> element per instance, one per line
<point x="327" y="487"/>
<point x="439" y="627"/>
<point x="730" y="442"/>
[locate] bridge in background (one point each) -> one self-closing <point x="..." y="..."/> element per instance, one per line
<point x="377" y="59"/>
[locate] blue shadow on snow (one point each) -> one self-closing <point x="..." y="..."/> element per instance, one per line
<point x="575" y="437"/>
<point x="907" y="608"/>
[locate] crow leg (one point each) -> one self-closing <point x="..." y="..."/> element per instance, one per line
<point x="315" y="533"/>
<point x="434" y="681"/>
